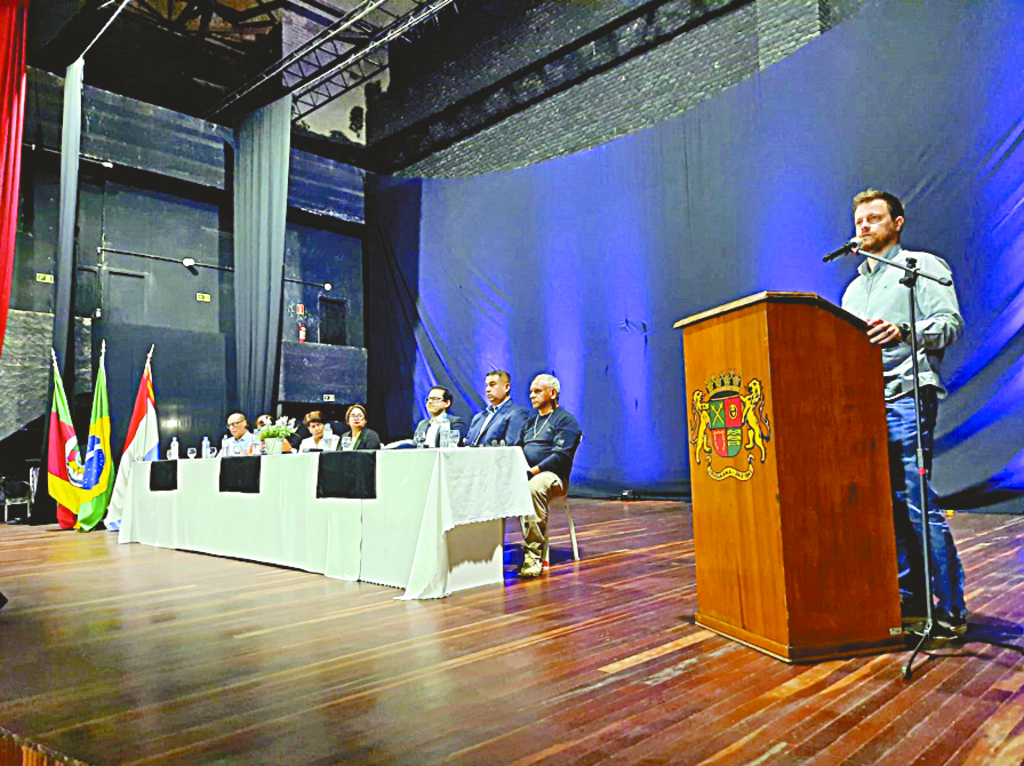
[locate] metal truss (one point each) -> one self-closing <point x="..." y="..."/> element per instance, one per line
<point x="320" y="78"/>
<point x="343" y="56"/>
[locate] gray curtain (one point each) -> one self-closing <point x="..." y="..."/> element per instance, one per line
<point x="263" y="142"/>
<point x="44" y="509"/>
<point x="65" y="277"/>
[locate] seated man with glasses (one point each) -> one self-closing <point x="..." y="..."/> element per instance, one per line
<point x="428" y="430"/>
<point x="241" y="442"/>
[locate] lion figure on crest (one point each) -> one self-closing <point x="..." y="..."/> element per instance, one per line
<point x="701" y="426"/>
<point x="754" y="418"/>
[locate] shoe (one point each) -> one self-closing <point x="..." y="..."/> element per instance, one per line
<point x="944" y="632"/>
<point x="532" y="567"/>
<point x="951" y="626"/>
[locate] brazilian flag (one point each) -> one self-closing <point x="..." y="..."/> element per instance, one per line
<point x="98" y="481"/>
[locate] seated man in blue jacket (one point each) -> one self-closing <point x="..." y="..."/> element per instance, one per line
<point x="502" y="421"/>
<point x="549" y="441"/>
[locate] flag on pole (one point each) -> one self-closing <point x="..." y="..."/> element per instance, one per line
<point x="63" y="458"/>
<point x="142" y="443"/>
<point x="97" y="483"/>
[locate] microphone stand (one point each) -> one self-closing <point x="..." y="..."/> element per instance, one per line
<point x="909" y="280"/>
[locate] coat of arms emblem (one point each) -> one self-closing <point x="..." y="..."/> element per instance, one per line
<point x="725" y="421"/>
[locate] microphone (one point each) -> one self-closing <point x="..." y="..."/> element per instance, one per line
<point x="850" y="247"/>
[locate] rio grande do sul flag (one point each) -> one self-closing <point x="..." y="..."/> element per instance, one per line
<point x="64" y="460"/>
<point x="97" y="482"/>
<point x="142" y="442"/>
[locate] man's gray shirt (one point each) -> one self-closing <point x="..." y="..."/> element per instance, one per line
<point x="878" y="294"/>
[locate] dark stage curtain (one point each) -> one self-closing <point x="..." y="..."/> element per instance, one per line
<point x="71" y="139"/>
<point x="63" y="320"/>
<point x="13" y="21"/>
<point x="580" y="266"/>
<point x="261" y="205"/>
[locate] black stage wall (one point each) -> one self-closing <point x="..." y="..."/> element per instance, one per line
<point x="155" y="188"/>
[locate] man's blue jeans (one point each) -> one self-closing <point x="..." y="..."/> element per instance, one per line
<point x="946" y="570"/>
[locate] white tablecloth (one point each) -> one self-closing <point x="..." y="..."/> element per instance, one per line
<point x="436" y="525"/>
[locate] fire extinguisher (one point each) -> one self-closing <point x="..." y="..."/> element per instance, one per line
<point x="302" y="332"/>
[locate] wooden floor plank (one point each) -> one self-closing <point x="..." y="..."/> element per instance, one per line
<point x="136" y="655"/>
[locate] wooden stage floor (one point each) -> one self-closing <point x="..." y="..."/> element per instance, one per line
<point x="134" y="655"/>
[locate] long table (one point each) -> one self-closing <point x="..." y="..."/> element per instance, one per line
<point x="436" y="524"/>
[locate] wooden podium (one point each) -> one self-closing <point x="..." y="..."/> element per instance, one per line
<point x="792" y="512"/>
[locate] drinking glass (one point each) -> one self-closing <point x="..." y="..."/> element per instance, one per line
<point x="346" y="443"/>
<point x="453" y="438"/>
<point x="420" y="439"/>
<point x="192" y="452"/>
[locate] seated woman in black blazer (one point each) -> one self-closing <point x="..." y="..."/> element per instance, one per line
<point x="362" y="437"/>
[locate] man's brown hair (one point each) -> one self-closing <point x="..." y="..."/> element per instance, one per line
<point x="870" y="195"/>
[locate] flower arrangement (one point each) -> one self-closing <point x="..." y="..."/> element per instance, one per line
<point x="279" y="429"/>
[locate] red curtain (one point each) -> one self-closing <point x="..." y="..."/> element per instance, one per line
<point x="13" y="23"/>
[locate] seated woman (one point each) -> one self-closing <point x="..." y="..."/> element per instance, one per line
<point x="317" y="442"/>
<point x="362" y="437"/>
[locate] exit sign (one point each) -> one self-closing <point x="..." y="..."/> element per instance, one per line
<point x="203" y="297"/>
<point x="45" y="278"/>
<point x="328" y="397"/>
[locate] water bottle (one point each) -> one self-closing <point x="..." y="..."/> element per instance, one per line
<point x="328" y="432"/>
<point x="225" y="446"/>
<point x="172" y="451"/>
<point x="206" y="446"/>
<point x="444" y="433"/>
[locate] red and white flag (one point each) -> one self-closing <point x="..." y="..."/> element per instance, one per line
<point x="141" y="444"/>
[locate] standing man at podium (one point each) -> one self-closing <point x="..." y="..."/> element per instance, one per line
<point x="877" y="297"/>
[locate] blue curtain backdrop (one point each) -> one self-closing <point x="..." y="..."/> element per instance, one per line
<point x="580" y="266"/>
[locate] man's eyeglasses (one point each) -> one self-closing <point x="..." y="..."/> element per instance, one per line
<point x="435" y="398"/>
<point x="236" y="424"/>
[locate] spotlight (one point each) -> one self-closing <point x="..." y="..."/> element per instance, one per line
<point x="188" y="263"/>
<point x="327" y="286"/>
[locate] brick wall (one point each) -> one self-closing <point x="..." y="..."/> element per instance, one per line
<point x="642" y="91"/>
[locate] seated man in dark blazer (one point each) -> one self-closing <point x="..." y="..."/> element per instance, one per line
<point x="503" y="420"/>
<point x="428" y="430"/>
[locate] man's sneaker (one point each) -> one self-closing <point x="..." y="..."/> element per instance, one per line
<point x="949" y="626"/>
<point x="532" y="567"/>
